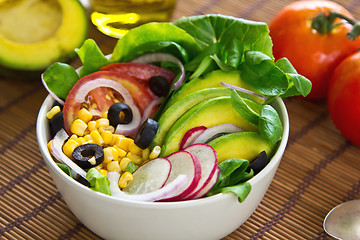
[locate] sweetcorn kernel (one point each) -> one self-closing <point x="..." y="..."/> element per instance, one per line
<point x="123" y="163"/>
<point x="155" y="152"/>
<point x="102" y="122"/>
<point x="146" y="153"/>
<point x="123" y="143"/>
<point x="53" y="111"/>
<point x="49" y="145"/>
<point x="113" y="166"/>
<point x="96" y="137"/>
<point x="134" y="158"/>
<point x="84" y="115"/>
<point x="121" y="153"/>
<point x="92" y="126"/>
<point x="69" y="147"/>
<point x="103" y="172"/>
<point x="78" y="127"/>
<point x="125" y="179"/>
<point x="107" y="137"/>
<point x="108" y="154"/>
<point x="134" y="149"/>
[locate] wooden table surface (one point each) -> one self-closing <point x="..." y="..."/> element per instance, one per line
<point x="319" y="170"/>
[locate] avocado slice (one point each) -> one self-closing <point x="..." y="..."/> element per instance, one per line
<point x="211" y="80"/>
<point x="209" y="113"/>
<point x="37" y="33"/>
<point x="173" y="113"/>
<point x="242" y="145"/>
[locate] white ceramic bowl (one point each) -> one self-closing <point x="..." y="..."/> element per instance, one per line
<point x="111" y="218"/>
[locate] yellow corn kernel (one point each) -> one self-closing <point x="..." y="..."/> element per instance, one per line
<point x="123" y="163"/>
<point x="96" y="137"/>
<point x="110" y="128"/>
<point x="98" y="167"/>
<point x="123" y="143"/>
<point x="155" y="152"/>
<point x="113" y="166"/>
<point x="80" y="140"/>
<point x="87" y="137"/>
<point x="53" y="111"/>
<point x="102" y="122"/>
<point x="73" y="137"/>
<point x="69" y="147"/>
<point x="121" y="153"/>
<point x="108" y="155"/>
<point x="92" y="126"/>
<point x="78" y="127"/>
<point x="103" y="172"/>
<point x="146" y="153"/>
<point x="125" y="179"/>
<point x="107" y="137"/>
<point x="49" y="145"/>
<point x="134" y="149"/>
<point x="134" y="158"/>
<point x="115" y="139"/>
<point x="84" y="115"/>
<point x="104" y="114"/>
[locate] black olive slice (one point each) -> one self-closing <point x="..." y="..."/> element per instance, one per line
<point x="159" y="86"/>
<point x="259" y="163"/>
<point x="119" y="113"/>
<point x="83" y="155"/>
<point x="146" y="133"/>
<point x="56" y="123"/>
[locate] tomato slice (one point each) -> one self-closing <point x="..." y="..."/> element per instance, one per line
<point x="140" y="71"/>
<point x="99" y="100"/>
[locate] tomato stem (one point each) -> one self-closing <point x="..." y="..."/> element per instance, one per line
<point x="324" y="23"/>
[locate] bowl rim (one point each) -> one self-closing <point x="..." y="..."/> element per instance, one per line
<point x="42" y="134"/>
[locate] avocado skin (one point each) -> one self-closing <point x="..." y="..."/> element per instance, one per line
<point x="241" y="145"/>
<point x="209" y="113"/>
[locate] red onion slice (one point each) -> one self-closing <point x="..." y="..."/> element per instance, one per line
<point x="243" y="90"/>
<point x="56" y="97"/>
<point x="162" y="57"/>
<point x="146" y="197"/>
<point x="149" y="108"/>
<point x="132" y="127"/>
<point x="56" y="150"/>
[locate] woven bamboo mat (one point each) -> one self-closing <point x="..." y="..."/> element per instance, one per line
<point x="319" y="169"/>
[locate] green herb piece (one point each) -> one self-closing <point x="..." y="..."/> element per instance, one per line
<point x="98" y="182"/>
<point x="233" y="178"/>
<point x="65" y="168"/>
<point x="131" y="167"/>
<point x="60" y="78"/>
<point x="247" y="108"/>
<point x="270" y="126"/>
<point x="91" y="57"/>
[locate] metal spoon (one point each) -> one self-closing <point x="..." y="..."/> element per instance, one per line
<point x="343" y="221"/>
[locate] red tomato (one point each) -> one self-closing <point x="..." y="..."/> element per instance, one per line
<point x="314" y="55"/>
<point x="344" y="98"/>
<point x="100" y="99"/>
<point x="141" y="71"/>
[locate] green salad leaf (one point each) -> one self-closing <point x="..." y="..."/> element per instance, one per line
<point x="65" y="168"/>
<point x="60" y="78"/>
<point x="233" y="178"/>
<point x="98" y="182"/>
<point x="91" y="57"/>
<point x="270" y="126"/>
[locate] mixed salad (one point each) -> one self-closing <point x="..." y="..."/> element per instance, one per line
<point x="179" y="110"/>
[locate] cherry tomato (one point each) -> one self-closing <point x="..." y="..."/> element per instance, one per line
<point x="344" y="98"/>
<point x="141" y="71"/>
<point x="100" y="99"/>
<point x="313" y="51"/>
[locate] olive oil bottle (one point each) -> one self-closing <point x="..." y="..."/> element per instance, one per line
<point x="116" y="17"/>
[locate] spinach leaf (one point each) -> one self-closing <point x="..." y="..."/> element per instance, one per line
<point x="60" y="78"/>
<point x="270" y="126"/>
<point x="65" y="168"/>
<point x="91" y="57"/>
<point x="152" y="37"/>
<point x="98" y="182"/>
<point x="233" y="178"/>
<point x="246" y="108"/>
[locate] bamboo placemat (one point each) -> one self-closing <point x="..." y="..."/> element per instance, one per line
<point x="318" y="171"/>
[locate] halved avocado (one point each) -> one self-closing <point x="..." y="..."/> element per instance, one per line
<point x="36" y="33"/>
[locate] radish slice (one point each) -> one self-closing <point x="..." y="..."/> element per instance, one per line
<point x="215" y="131"/>
<point x="157" y="195"/>
<point x="243" y="90"/>
<point x="56" y="150"/>
<point x="149" y="177"/>
<point x="162" y="57"/>
<point x="56" y="97"/>
<point x="183" y="163"/>
<point x="190" y="136"/>
<point x="208" y="160"/>
<point x="209" y="185"/>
